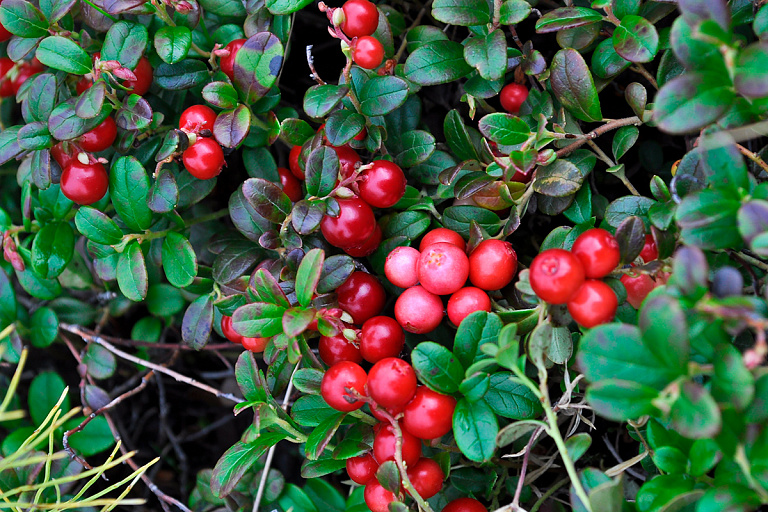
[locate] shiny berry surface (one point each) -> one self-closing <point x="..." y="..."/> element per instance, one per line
<point x="100" y="138"/>
<point x="197" y="118"/>
<point x="401" y="266"/>
<point x="384" y="446"/>
<point x="442" y="235"/>
<point x="6" y="88"/>
<point x="84" y="183"/>
<point x="427" y="477"/>
<point x="598" y="252"/>
<point x="464" y="505"/>
<point x="229" y="332"/>
<point x="376" y="497"/>
<point x="227" y="64"/>
<point x="638" y="287"/>
<point x="368" y="247"/>
<point x="418" y="310"/>
<point x="144" y="75"/>
<point x="556" y="275"/>
<point x="362" y="296"/>
<point x="255" y="344"/>
<point x="62" y="156"/>
<point x="492" y="264"/>
<point x="391" y="382"/>
<point x="335" y="349"/>
<point x="290" y="185"/>
<point x="361" y="469"/>
<point x="293" y="162"/>
<point x="382" y="185"/>
<point x="465" y="302"/>
<point x="345" y="374"/>
<point x="429" y="414"/>
<point x="354" y="225"/>
<point x="443" y="268"/>
<point x="594" y="304"/>
<point x="368" y="52"/>
<point x="512" y="97"/>
<point x="204" y="159"/>
<point x="381" y="337"/>
<point x="650" y="252"/>
<point x="360" y="18"/>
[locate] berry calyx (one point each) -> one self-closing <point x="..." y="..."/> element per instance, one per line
<point x="367" y="52"/>
<point x="84" y="183"/>
<point x="381" y="337"/>
<point x="650" y="252"/>
<point x="391" y="382"/>
<point x="418" y="311"/>
<point x="291" y="186"/>
<point x="227" y="64"/>
<point x="384" y="446"/>
<point x="593" y="304"/>
<point x="556" y="276"/>
<point x="377" y="497"/>
<point x="427" y="477"/>
<point x="512" y="97"/>
<point x="340" y="377"/>
<point x="443" y="268"/>
<point x="360" y="18"/>
<point x="204" y="159"/>
<point x="362" y="469"/>
<point x="144" y="75"/>
<point x="383" y="184"/>
<point x="229" y="332"/>
<point x="197" y="118"/>
<point x="598" y="252"/>
<point x="442" y="235"/>
<point x="465" y="302"/>
<point x="464" y="505"/>
<point x="401" y="266"/>
<point x="354" y="225"/>
<point x="492" y="264"/>
<point x="100" y="138"/>
<point x="255" y="344"/>
<point x="335" y="349"/>
<point x="429" y="414"/>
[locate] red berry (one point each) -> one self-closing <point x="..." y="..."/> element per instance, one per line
<point x="377" y="497"/>
<point x="492" y="264"/>
<point x="204" y="159"/>
<point x="465" y="302"/>
<point x="418" y="310"/>
<point x="293" y="162"/>
<point x="383" y="184"/>
<point x="227" y="64"/>
<point x="26" y="70"/>
<point x="83" y="85"/>
<point x="650" y="252"/>
<point x="361" y="469"/>
<point x="442" y="235"/>
<point x="401" y="266"/>
<point x="100" y="138"/>
<point x="512" y="97"/>
<point x="368" y="52"/>
<point x="556" y="276"/>
<point x="384" y="446"/>
<point x="464" y="505"/>
<point x="392" y="382"/>
<point x="638" y="287"/>
<point x="362" y="296"/>
<point x="229" y="332"/>
<point x="368" y="247"/>
<point x="595" y="303"/>
<point x="354" y="225"/>
<point x="427" y="477"/>
<point x="197" y="118"/>
<point x="348" y="160"/>
<point x="598" y="252"/>
<point x="62" y="157"/>
<point x="430" y="414"/>
<point x="291" y="186"/>
<point x="335" y="349"/>
<point x="381" y="337"/>
<point x="6" y="88"/>
<point x="376" y="410"/>
<point x="360" y="18"/>
<point x="255" y="344"/>
<point x="144" y="74"/>
<point x="84" y="183"/>
<point x="443" y="268"/>
<point x="345" y="374"/>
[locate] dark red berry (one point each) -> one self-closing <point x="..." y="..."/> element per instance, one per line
<point x="598" y="252"/>
<point x="427" y="477"/>
<point x="383" y="184"/>
<point x="442" y="235"/>
<point x="229" y="332"/>
<point x="361" y="469"/>
<point x="100" y="138"/>
<point x="650" y="252"/>
<point x="368" y="247"/>
<point x="337" y="380"/>
<point x="391" y="382"/>
<point x="348" y="160"/>
<point x="512" y="97"/>
<point x="492" y="264"/>
<point x="354" y="225"/>
<point x="464" y="505"/>
<point x="227" y="64"/>
<point x="291" y="186"/>
<point x="595" y="303"/>
<point x="368" y="52"/>
<point x="384" y="446"/>
<point x="638" y="287"/>
<point x="381" y="337"/>
<point x="84" y="183"/>
<point x="556" y="276"/>
<point x="362" y="296"/>
<point x="6" y="88"/>
<point x="360" y="18"/>
<point x="197" y="118"/>
<point x="335" y="349"/>
<point x="293" y="162"/>
<point x="429" y="414"/>
<point x="377" y="498"/>
<point x="144" y="75"/>
<point x="465" y="302"/>
<point x="204" y="159"/>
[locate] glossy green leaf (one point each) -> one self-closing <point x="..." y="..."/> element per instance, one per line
<point x="437" y="367"/>
<point x="488" y="54"/>
<point x="636" y="39"/>
<point x="461" y="12"/>
<point x="437" y="62"/>
<point x="128" y="188"/>
<point x="475" y="428"/>
<point x="257" y="65"/>
<point x="179" y="260"/>
<point x="172" y="44"/>
<point x="566" y="17"/>
<point x="132" y="272"/>
<point x="308" y="275"/>
<point x="64" y="54"/>
<point x="52" y="249"/>
<point x="573" y="85"/>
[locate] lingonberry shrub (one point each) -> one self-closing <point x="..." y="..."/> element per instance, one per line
<point x="458" y="243"/>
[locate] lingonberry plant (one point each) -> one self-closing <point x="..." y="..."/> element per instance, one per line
<point x="448" y="255"/>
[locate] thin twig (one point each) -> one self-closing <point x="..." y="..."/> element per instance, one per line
<point x="753" y="156"/>
<point x="611" y="125"/>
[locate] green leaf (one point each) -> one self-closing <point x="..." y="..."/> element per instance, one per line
<point x="198" y="322"/>
<point x="457" y="137"/>
<point x="695" y="414"/>
<point x="100" y="362"/>
<point x="54" y="10"/>
<point x="704" y="455"/>
<point x="257" y="65"/>
<point x="164" y="194"/>
<point x="321" y="435"/>
<point x="129" y="188"/>
<point x="476" y="329"/>
<point x="231" y="467"/>
<point x="65" y="124"/>
<point x="504" y="129"/>
<point x="322" y="171"/>
<point x="44" y="327"/>
<point x="325" y="495"/>
<point x="621" y="400"/>
<point x="7" y="300"/>
<point x="729" y="498"/>
<point x="464" y="13"/>
<point x="336" y="270"/>
<point x="437" y="367"/>
<point x="511" y="399"/>
<point x="559" y="179"/>
<point x="267" y="199"/>
<point x="185" y="74"/>
<point x="566" y="17"/>
<point x="624" y="138"/>
<point x="259" y="320"/>
<point x="577" y="445"/>
<point x="125" y="42"/>
<point x="308" y="275"/>
<point x="606" y="63"/>
<point x="220" y="94"/>
<point x="232" y="127"/>
<point x="44" y="391"/>
<point x="34" y="136"/>
<point x="758" y="412"/>
<point x="23" y="19"/>
<point x="636" y="39"/>
<point x="320" y="100"/>
<point x="179" y="260"/>
<point x="96" y="226"/>
<point x="514" y="11"/>
<point x="342" y="126"/>
<point x="413" y="148"/>
<point x="732" y="383"/>
<point x="52" y="249"/>
<point x="132" y="272"/>
<point x="751" y="77"/>
<point x="172" y="44"/>
<point x="475" y="428"/>
<point x="665" y="331"/>
<point x="91" y="102"/>
<point x="708" y="220"/>
<point x="410" y="224"/>
<point x="724" y="165"/>
<point x="95" y="438"/>
<point x="488" y="54"/>
<point x="691" y="102"/>
<point x="573" y="85"/>
<point x="64" y="54"/>
<point x="286" y="6"/>
<point x="459" y="218"/>
<point x="437" y="62"/>
<point x="381" y="95"/>
<point x="310" y="410"/>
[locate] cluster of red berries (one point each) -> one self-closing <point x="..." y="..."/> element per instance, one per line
<point x="558" y="276"/>
<point x="392" y="391"/>
<point x="361" y="18"/>
<point x="204" y="158"/>
<point x="10" y="85"/>
<point x="441" y="267"/>
<point x="640" y="285"/>
<point x="252" y="344"/>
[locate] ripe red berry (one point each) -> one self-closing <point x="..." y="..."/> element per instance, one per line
<point x="348" y="160"/>
<point x="229" y="332"/>
<point x="443" y="268"/>
<point x="62" y="157"/>
<point x="381" y="337"/>
<point x="638" y="287"/>
<point x="595" y="303"/>
<point x="204" y="159"/>
<point x="362" y="296"/>
<point x="361" y="469"/>
<point x="392" y="382"/>
<point x="293" y="162"/>
<point x="430" y="414"/>
<point x="345" y="374"/>
<point x="360" y="18"/>
<point x="100" y="138"/>
<point x="465" y="302"/>
<point x="464" y="505"/>
<point x="384" y="446"/>
<point x="368" y="52"/>
<point x="227" y="64"/>
<point x="401" y="266"/>
<point x="84" y="183"/>
<point x="427" y="477"/>
<point x="291" y="186"/>
<point x="83" y="85"/>
<point x="197" y="118"/>
<point x="354" y="225"/>
<point x="255" y="344"/>
<point x="442" y="235"/>
<point x="335" y="349"/>
<point x="492" y="264"/>
<point x="6" y="88"/>
<point x="144" y="74"/>
<point x="556" y="276"/>
<point x="383" y="184"/>
<point x="650" y="252"/>
<point x="418" y="310"/>
<point x="598" y="252"/>
<point x="512" y="97"/>
<point x="377" y="497"/>
<point x="368" y="247"/>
